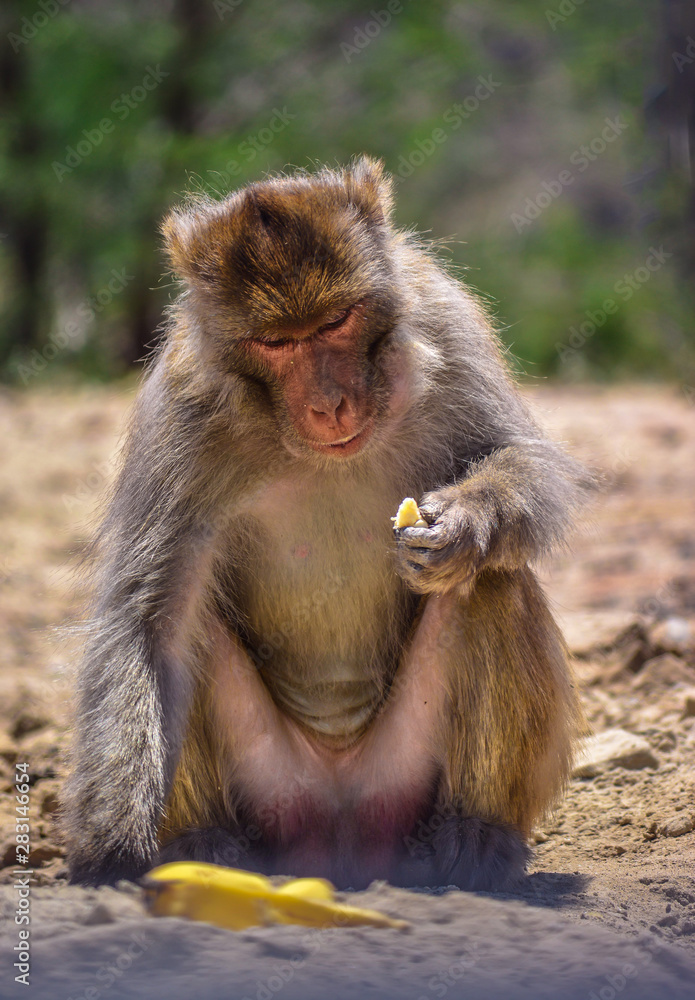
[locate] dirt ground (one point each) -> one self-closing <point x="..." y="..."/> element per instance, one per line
<point x="608" y="908"/>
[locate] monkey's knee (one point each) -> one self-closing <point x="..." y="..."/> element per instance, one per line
<point x="214" y="846"/>
<point x="469" y="853"/>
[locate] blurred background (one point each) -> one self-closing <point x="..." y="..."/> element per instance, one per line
<point x="548" y="144"/>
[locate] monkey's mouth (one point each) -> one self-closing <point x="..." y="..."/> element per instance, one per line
<point x="349" y="445"/>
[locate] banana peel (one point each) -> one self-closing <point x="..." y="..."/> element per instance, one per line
<point x="235" y="899"/>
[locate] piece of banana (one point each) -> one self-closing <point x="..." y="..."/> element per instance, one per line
<point x="234" y="899"/>
<point x="408" y="515"/>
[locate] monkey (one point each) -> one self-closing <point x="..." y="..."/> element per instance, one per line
<point x="273" y="677"/>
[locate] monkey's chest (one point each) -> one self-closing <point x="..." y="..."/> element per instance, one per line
<point x="324" y="613"/>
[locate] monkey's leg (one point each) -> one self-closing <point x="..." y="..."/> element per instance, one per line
<point x="309" y="809"/>
<point x="514" y="717"/>
<point x="269" y="798"/>
<point x="394" y="771"/>
<point x="503" y="737"/>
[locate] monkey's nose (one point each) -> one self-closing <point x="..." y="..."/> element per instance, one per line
<point x="331" y="420"/>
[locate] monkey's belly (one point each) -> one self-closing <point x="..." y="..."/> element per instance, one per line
<point x="329" y="666"/>
<point x="322" y="609"/>
<point x="330" y="669"/>
<point x="339" y="701"/>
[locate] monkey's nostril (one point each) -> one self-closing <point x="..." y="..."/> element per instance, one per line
<point x="323" y="418"/>
<point x="328" y="411"/>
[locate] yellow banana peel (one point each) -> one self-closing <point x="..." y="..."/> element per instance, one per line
<point x="308" y="888"/>
<point x="234" y="899"/>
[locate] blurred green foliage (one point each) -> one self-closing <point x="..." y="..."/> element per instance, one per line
<point x="111" y="111"/>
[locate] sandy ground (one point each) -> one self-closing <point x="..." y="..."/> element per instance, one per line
<point x="608" y="908"/>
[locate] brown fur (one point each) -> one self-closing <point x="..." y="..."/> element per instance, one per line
<point x="263" y="666"/>
<point x="516" y="710"/>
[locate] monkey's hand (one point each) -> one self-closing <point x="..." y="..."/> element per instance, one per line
<point x="445" y="556"/>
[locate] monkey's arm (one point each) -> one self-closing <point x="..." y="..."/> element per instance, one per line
<point x="135" y="679"/>
<point x="513" y="505"/>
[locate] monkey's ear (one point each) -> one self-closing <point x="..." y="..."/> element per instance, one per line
<point x="194" y="237"/>
<point x="179" y="230"/>
<point x="369" y="188"/>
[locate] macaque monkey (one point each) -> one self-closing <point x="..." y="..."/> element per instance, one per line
<point x="275" y="679"/>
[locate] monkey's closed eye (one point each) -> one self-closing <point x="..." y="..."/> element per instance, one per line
<point x="335" y="321"/>
<point x="264" y="342"/>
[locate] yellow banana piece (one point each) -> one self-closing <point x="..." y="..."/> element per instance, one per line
<point x="408" y="515"/>
<point x="234" y="899"/>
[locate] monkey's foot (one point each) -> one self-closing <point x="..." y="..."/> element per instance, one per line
<point x="106" y="869"/>
<point x="214" y="846"/>
<point x="468" y="853"/>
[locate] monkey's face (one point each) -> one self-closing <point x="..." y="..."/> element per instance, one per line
<point x="291" y="286"/>
<point x="327" y="386"/>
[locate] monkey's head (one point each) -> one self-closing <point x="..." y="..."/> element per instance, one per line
<point x="291" y="291"/>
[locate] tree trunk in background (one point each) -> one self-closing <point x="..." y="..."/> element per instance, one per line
<point x="181" y="111"/>
<point x="678" y="108"/>
<point x="24" y="225"/>
<point x="144" y="314"/>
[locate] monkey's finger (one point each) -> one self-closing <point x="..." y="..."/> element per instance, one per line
<point x="425" y="538"/>
<point x="409" y="562"/>
<point x="439" y="561"/>
<point x="431" y="511"/>
<point x="416" y="560"/>
<point x="435" y="578"/>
